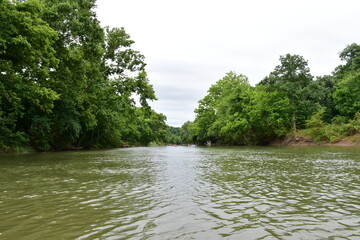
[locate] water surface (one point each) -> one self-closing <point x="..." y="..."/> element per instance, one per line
<point x="182" y="193"/>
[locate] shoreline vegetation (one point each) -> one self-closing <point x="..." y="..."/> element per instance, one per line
<point x="288" y="107"/>
<point x="288" y="142"/>
<point x="66" y="83"/>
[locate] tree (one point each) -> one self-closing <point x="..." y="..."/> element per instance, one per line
<point x="235" y="113"/>
<point x="326" y="85"/>
<point x="230" y="124"/>
<point x="68" y="83"/>
<point x="173" y="135"/>
<point x="252" y="116"/>
<point x="293" y="77"/>
<point x="269" y="116"/>
<point x="98" y="77"/>
<point x="351" y="56"/>
<point x="347" y="87"/>
<point x="188" y="133"/>
<point x="26" y="59"/>
<point x="156" y="124"/>
<point x="210" y="108"/>
<point x="347" y="94"/>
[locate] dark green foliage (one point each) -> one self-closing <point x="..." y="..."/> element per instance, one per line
<point x="67" y="83"/>
<point x="347" y="87"/>
<point x="293" y="77"/>
<point x="347" y="94"/>
<point x="326" y="87"/>
<point x="26" y="58"/>
<point x="149" y="126"/>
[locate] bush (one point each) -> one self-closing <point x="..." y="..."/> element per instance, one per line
<point x="322" y="132"/>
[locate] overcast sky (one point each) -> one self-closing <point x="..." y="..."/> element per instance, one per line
<point x="190" y="44"/>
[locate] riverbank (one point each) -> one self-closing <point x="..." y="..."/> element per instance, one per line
<point x="298" y="140"/>
<point x="304" y="140"/>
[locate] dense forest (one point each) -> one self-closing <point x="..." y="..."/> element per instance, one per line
<point x="68" y="83"/>
<point x="288" y="102"/>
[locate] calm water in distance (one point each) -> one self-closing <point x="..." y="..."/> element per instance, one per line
<point x="182" y="193"/>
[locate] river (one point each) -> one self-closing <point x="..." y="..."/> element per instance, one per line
<point x="182" y="193"/>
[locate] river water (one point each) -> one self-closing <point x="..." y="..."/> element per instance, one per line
<point x="182" y="193"/>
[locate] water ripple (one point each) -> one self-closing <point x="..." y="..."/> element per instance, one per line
<point x="182" y="193"/>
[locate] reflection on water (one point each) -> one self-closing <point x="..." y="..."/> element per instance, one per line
<point x="182" y="193"/>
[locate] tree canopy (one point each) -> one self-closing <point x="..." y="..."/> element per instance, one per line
<point x="287" y="100"/>
<point x="68" y="83"/>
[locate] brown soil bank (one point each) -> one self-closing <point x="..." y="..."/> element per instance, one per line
<point x="302" y="141"/>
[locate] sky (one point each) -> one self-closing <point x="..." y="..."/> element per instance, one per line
<point x="190" y="44"/>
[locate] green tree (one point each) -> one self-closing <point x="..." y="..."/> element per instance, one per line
<point x="26" y="59"/>
<point x="347" y="87"/>
<point x="98" y="77"/>
<point x="347" y="94"/>
<point x="235" y="113"/>
<point x="326" y="84"/>
<point x="351" y="56"/>
<point x="173" y="135"/>
<point x="252" y="116"/>
<point x="293" y="77"/>
<point x="269" y="116"/>
<point x="188" y="133"/>
<point x="210" y="107"/>
<point x="68" y="83"/>
<point x="230" y="124"/>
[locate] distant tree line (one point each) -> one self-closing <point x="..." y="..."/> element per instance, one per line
<point x="287" y="102"/>
<point x="68" y="83"/>
<point x="173" y="136"/>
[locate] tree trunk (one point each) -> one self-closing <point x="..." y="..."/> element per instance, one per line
<point x="294" y="122"/>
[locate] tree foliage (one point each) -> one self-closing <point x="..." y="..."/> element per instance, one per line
<point x="173" y="135"/>
<point x="347" y="87"/>
<point x="27" y="56"/>
<point x="68" y="83"/>
<point x="293" y="77"/>
<point x="233" y="112"/>
<point x="284" y="102"/>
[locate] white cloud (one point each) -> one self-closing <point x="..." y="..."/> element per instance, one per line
<point x="190" y="44"/>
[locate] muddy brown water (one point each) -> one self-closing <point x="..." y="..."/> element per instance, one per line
<point x="182" y="193"/>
